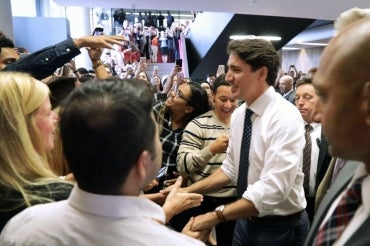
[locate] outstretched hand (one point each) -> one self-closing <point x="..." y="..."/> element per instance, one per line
<point x="101" y="41"/>
<point x="178" y="201"/>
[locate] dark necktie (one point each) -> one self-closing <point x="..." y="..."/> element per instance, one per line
<point x="341" y="216"/>
<point x="307" y="158"/>
<point x="244" y="153"/>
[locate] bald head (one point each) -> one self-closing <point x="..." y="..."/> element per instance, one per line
<point x="349" y="16"/>
<point x="285" y="83"/>
<point x="348" y="51"/>
<point x="343" y="86"/>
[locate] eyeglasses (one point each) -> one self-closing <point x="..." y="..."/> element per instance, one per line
<point x="180" y="94"/>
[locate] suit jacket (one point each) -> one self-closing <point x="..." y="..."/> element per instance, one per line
<point x="361" y="236"/>
<point x="323" y="160"/>
<point x="290" y="97"/>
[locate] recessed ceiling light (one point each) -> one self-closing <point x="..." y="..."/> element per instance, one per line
<point x="270" y="38"/>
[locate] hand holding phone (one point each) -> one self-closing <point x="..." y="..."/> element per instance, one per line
<point x="220" y="70"/>
<point x="142" y="59"/>
<point x="180" y="77"/>
<point x="178" y="62"/>
<point x="155" y="71"/>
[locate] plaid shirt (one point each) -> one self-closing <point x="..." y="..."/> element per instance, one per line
<point x="170" y="140"/>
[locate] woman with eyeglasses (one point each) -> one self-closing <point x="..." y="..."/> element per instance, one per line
<point x="183" y="104"/>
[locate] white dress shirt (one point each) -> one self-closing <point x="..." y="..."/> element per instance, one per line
<point x="315" y="150"/>
<point x="92" y="219"/>
<point x="275" y="177"/>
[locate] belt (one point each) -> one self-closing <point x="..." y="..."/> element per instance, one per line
<point x="275" y="218"/>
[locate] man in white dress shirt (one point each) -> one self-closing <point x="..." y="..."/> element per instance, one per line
<point x="111" y="142"/>
<point x="270" y="210"/>
<point x="319" y="158"/>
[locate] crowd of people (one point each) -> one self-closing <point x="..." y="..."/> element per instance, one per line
<point x="149" y="36"/>
<point x="258" y="156"/>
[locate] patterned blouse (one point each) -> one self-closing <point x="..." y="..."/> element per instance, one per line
<point x="170" y="140"/>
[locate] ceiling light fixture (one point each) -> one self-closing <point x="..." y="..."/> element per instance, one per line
<point x="270" y="38"/>
<point x="290" y="48"/>
<point x="313" y="44"/>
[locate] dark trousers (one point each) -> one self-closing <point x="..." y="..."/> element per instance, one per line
<point x="273" y="230"/>
<point x="224" y="231"/>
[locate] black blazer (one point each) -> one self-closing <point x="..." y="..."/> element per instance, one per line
<point x="323" y="161"/>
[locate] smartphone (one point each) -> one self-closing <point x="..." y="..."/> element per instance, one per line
<point x="155" y="71"/>
<point x="162" y="173"/>
<point x="220" y="69"/>
<point x="178" y="62"/>
<point x="98" y="31"/>
<point x="142" y="59"/>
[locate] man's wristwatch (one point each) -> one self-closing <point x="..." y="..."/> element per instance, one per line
<point x="219" y="212"/>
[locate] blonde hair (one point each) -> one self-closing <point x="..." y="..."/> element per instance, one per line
<point x="350" y="16"/>
<point x="57" y="161"/>
<point x="23" y="162"/>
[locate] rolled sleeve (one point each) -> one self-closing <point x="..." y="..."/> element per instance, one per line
<point x="273" y="184"/>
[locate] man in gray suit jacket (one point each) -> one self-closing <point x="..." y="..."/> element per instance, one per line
<point x="286" y="88"/>
<point x="343" y="86"/>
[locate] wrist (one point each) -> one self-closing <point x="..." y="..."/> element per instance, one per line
<point x="97" y="63"/>
<point x="219" y="213"/>
<point x="78" y="43"/>
<point x="168" y="212"/>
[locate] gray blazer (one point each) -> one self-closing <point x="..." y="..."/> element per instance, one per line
<point x="290" y="97"/>
<point x="361" y="237"/>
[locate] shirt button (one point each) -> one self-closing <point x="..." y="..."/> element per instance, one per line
<point x="68" y="50"/>
<point x="46" y="59"/>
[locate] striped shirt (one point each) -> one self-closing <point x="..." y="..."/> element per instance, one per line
<point x="194" y="156"/>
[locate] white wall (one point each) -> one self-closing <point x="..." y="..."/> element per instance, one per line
<point x="303" y="59"/>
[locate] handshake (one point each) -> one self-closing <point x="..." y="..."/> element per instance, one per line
<point x="199" y="227"/>
<point x="178" y="200"/>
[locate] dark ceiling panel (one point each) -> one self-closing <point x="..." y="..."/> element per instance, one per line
<point x="284" y="27"/>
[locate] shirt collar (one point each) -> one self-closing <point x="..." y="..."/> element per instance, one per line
<point x="260" y="104"/>
<point x="115" y="206"/>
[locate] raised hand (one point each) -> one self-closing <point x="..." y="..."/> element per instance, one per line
<point x="178" y="201"/>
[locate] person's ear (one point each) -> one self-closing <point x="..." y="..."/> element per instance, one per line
<point x="189" y="109"/>
<point x="213" y="96"/>
<point x="366" y="103"/>
<point x="143" y="165"/>
<point x="262" y="73"/>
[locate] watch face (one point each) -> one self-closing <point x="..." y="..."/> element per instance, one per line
<point x="220" y="208"/>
